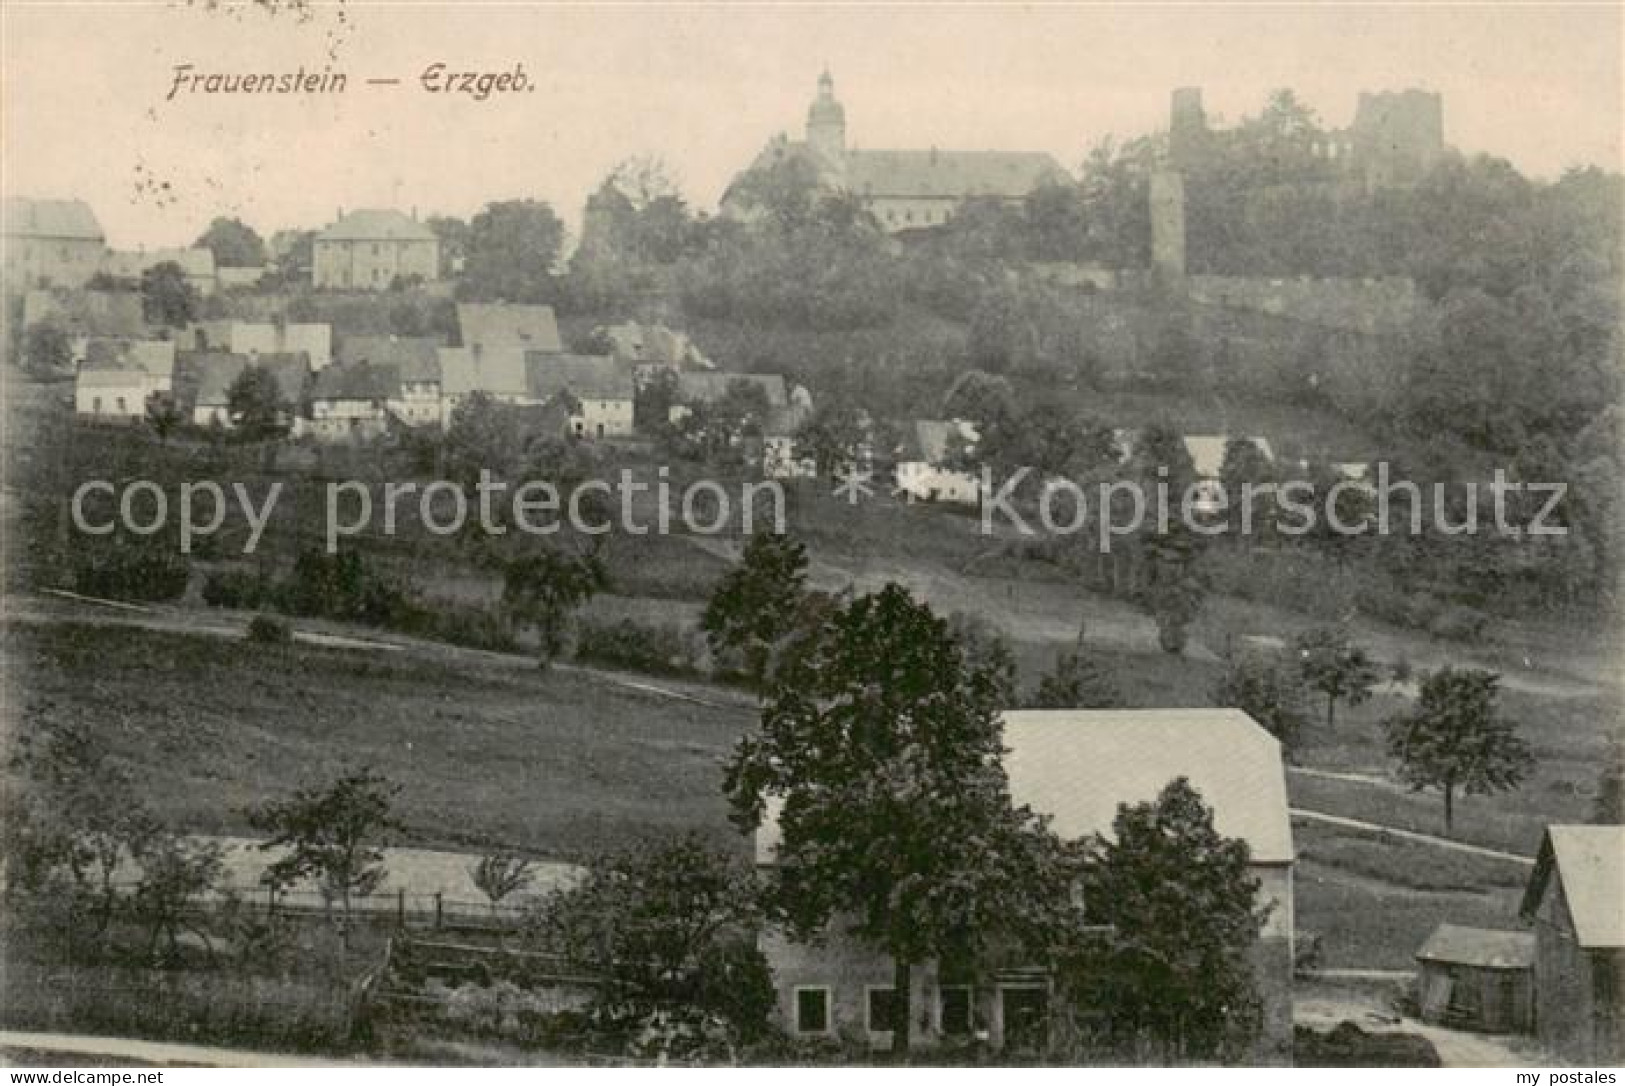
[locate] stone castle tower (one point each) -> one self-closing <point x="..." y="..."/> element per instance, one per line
<point x="1187" y="127"/>
<point x="826" y="124"/>
<point x="1168" y="227"/>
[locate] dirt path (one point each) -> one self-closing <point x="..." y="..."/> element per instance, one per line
<point x="1412" y="835"/>
<point x="147" y="1053"/>
<point x="1455" y="1048"/>
<point x="229" y="626"/>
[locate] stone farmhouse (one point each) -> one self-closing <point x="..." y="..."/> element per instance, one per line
<point x="1077" y="767"/>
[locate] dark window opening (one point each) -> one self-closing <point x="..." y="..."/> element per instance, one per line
<point x="812" y="1010"/>
<point x="882" y="1010"/>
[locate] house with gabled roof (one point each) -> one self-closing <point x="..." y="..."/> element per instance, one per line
<point x="499" y="373"/>
<point x="416" y="359"/>
<point x="86" y="313"/>
<point x="118" y="375"/>
<point x="196" y="263"/>
<point x="49" y="243"/>
<point x="372" y="248"/>
<point x="351" y="403"/>
<point x="211" y="375"/>
<point x="924" y="471"/>
<point x="1077" y="767"/>
<point x="597" y="390"/>
<point x="315" y="340"/>
<point x="488" y="326"/>
<point x="1575" y="900"/>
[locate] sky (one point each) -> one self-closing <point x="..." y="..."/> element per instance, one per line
<point x="83" y="91"/>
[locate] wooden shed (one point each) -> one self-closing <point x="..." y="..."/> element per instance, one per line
<point x="1478" y="979"/>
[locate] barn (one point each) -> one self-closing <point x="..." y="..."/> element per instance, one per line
<point x="1576" y="902"/>
<point x="1478" y="979"/>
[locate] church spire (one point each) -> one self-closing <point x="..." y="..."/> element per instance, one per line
<point x="826" y="122"/>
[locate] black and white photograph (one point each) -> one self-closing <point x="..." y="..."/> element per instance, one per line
<point x="621" y="536"/>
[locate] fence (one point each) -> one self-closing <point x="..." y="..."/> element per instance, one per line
<point x="435" y="911"/>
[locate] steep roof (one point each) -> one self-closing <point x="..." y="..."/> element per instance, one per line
<point x="1589" y="862"/>
<point x="928" y="439"/>
<point x="363" y="381"/>
<point x="217" y="370"/>
<point x="494" y="325"/>
<point x="1078" y="765"/>
<point x="153" y="357"/>
<point x="500" y="372"/>
<point x="416" y="357"/>
<point x="376" y="224"/>
<point x="711" y="387"/>
<point x="1207" y="451"/>
<point x="1482" y="948"/>
<point x="587" y="377"/>
<point x="197" y="263"/>
<point x="87" y="312"/>
<point x="24" y="217"/>
<point x="654" y="343"/>
<point x="957" y="174"/>
<point x="269" y="337"/>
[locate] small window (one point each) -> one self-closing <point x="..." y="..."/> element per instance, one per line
<point x="96" y="405"/>
<point x="882" y="1010"/>
<point x="953" y="1015"/>
<point x="121" y="408"/>
<point x="812" y="1010"/>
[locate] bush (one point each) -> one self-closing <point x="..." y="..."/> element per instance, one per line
<point x="237" y="588"/>
<point x="266" y="630"/>
<point x="1466" y="624"/>
<point x="124" y="571"/>
<point x="654" y="648"/>
<point x="472" y="627"/>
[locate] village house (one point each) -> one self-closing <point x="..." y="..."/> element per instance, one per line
<point x="85" y="315"/>
<point x="499" y="326"/>
<point x="416" y="359"/>
<point x="1478" y="979"/>
<point x="921" y="469"/>
<point x="1207" y="458"/>
<point x="197" y="264"/>
<point x="597" y="390"/>
<point x="500" y="374"/>
<point x="1077" y="767"/>
<point x="209" y="376"/>
<point x="315" y="341"/>
<point x="239" y="278"/>
<point x="780" y="457"/>
<point x="1575" y="901"/>
<point x="49" y="243"/>
<point x="649" y="348"/>
<point x="118" y="375"/>
<point x="710" y="387"/>
<point x="370" y="249"/>
<point x="351" y="403"/>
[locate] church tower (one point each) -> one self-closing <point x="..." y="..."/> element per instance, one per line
<point x="826" y="124"/>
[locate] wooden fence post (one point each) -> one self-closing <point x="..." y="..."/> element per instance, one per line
<point x="439" y="906"/>
<point x="400" y="907"/>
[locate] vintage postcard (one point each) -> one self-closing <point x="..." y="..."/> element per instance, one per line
<point x="699" y="534"/>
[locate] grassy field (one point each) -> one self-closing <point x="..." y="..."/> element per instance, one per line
<point x="558" y="763"/>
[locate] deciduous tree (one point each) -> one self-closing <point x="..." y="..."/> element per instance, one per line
<point x="1455" y="739"/>
<point x="1337" y="669"/>
<point x="881" y="754"/>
